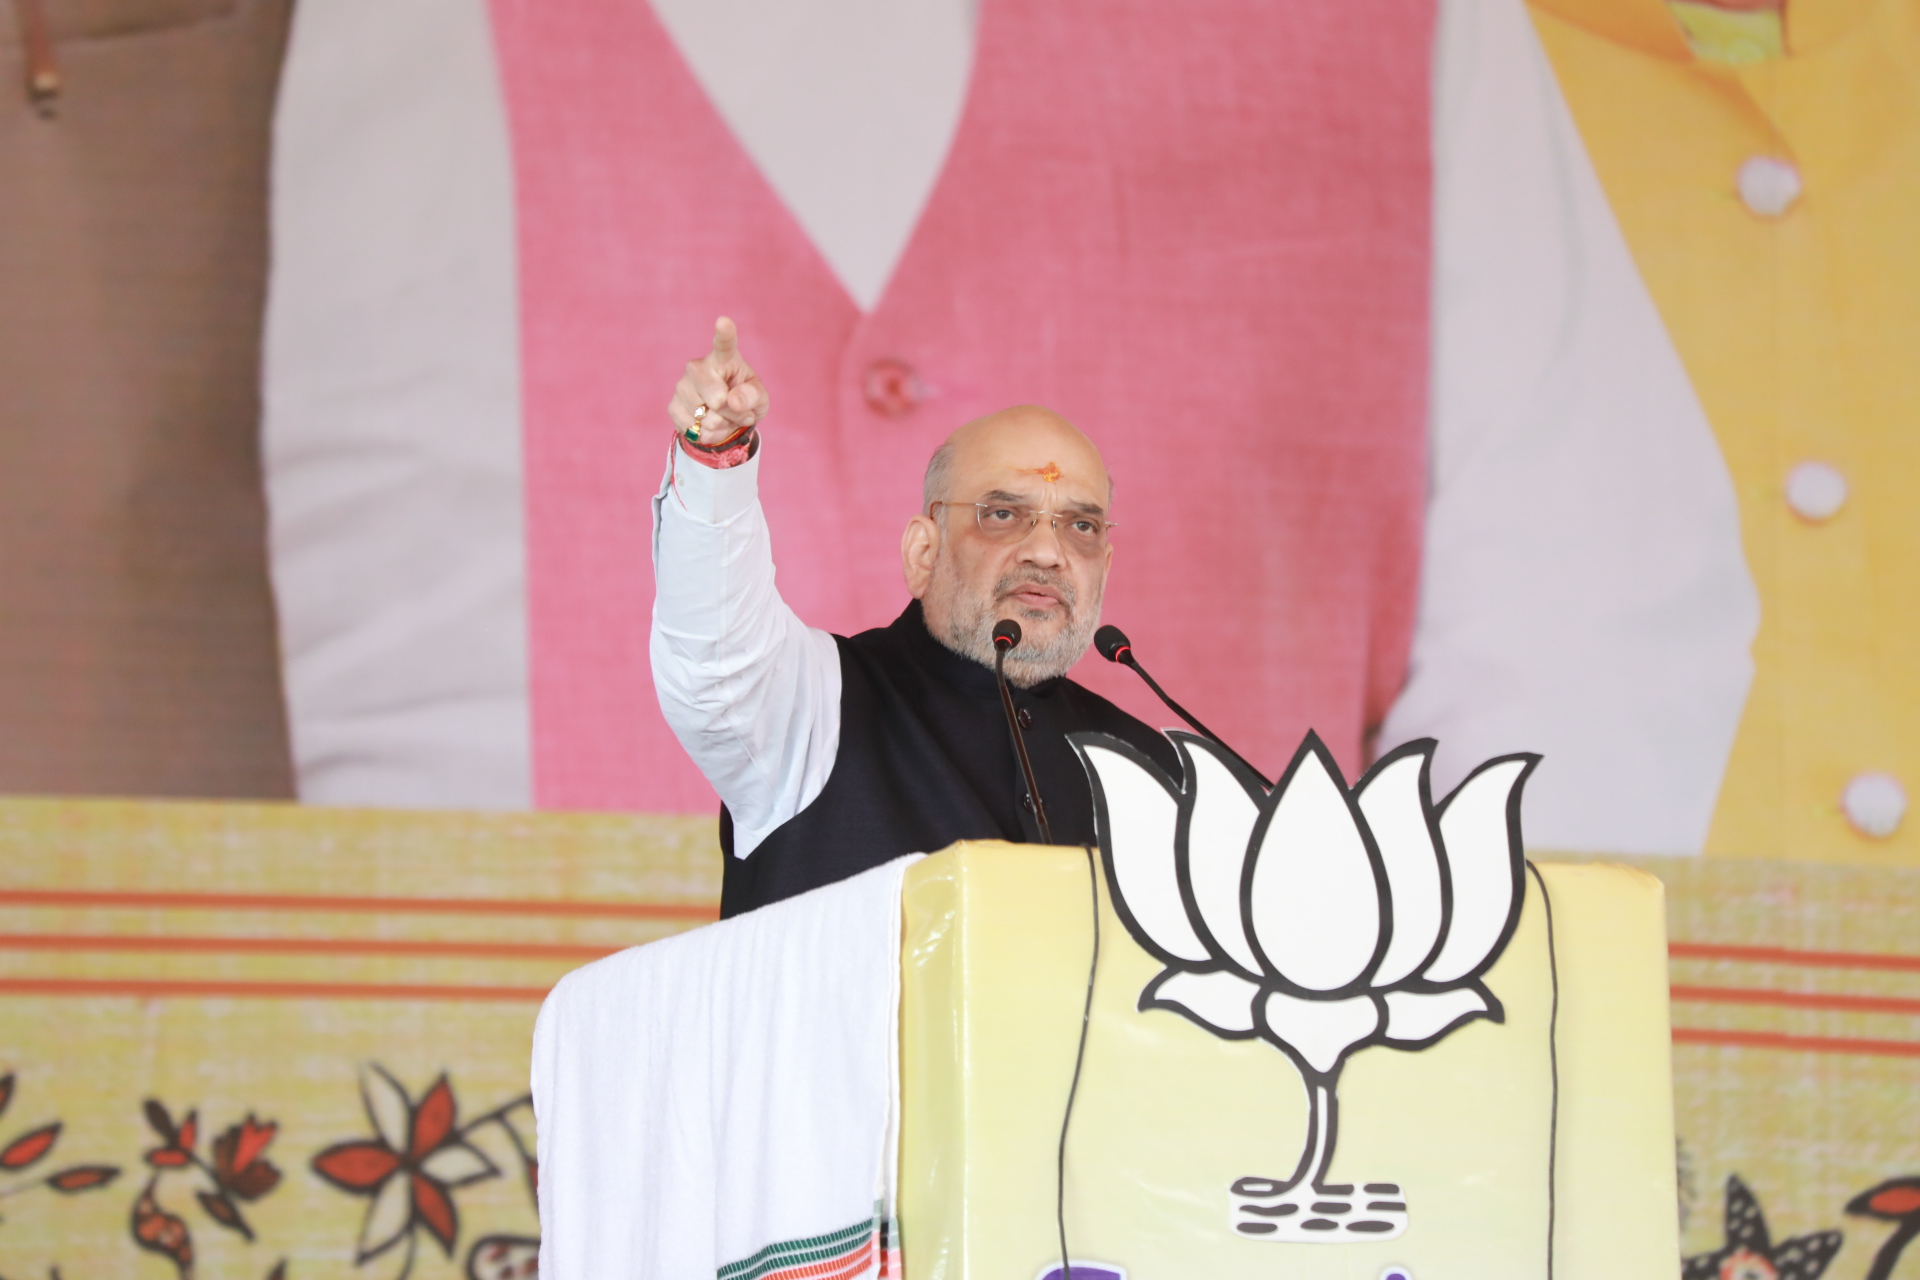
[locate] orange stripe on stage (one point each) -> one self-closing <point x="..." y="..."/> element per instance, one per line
<point x="481" y="950"/>
<point x="154" y="989"/>
<point x="1797" y="999"/>
<point x="384" y="906"/>
<point x="1789" y="955"/>
<point x="1799" y="1044"/>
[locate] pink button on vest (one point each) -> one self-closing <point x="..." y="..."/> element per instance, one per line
<point x="1199" y="230"/>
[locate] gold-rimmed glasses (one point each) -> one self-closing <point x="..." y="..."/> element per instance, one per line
<point x="1080" y="532"/>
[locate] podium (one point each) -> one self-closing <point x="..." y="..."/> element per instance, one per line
<point x="1537" y="1145"/>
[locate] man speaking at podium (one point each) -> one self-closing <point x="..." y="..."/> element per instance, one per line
<point x="834" y="754"/>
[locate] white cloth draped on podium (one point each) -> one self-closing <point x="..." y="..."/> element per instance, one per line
<point x="725" y="1102"/>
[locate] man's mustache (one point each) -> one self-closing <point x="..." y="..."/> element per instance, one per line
<point x="1011" y="582"/>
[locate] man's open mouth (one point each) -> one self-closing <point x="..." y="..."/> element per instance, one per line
<point x="1033" y="595"/>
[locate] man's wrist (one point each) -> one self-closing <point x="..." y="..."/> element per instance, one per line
<point x="712" y="495"/>
<point x="730" y="453"/>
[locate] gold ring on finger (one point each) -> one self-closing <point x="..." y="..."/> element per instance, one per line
<point x="699" y="416"/>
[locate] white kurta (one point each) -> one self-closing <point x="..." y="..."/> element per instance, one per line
<point x="751" y="691"/>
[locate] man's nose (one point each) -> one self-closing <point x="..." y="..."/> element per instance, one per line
<point x="1042" y="546"/>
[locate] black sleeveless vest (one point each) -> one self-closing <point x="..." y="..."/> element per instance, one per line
<point x="926" y="759"/>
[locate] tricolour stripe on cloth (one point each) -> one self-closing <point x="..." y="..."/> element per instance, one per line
<point x="849" y="1251"/>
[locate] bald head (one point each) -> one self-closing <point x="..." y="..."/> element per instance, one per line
<point x="1044" y="489"/>
<point x="1025" y="439"/>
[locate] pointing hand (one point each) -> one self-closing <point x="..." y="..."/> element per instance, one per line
<point x="732" y="393"/>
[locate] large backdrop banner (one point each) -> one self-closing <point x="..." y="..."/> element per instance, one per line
<point x="1532" y="376"/>
<point x="1528" y="374"/>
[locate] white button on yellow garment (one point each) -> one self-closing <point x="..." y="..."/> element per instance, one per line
<point x="1874" y="804"/>
<point x="1769" y="185"/>
<point x="1816" y="491"/>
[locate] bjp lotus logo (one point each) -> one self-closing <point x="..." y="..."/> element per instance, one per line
<point x="1318" y="918"/>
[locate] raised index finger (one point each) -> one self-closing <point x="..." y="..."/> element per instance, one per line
<point x="726" y="340"/>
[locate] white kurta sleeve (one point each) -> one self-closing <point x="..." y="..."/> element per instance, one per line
<point x="752" y="692"/>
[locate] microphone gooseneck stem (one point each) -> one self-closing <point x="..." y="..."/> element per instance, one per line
<point x="1020" y="743"/>
<point x="1126" y="655"/>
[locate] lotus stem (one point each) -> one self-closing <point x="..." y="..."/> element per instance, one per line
<point x="1323" y="1112"/>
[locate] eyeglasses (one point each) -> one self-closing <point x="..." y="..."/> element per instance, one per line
<point x="1009" y="522"/>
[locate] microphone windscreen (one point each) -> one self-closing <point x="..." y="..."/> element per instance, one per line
<point x="1111" y="641"/>
<point x="1006" y="634"/>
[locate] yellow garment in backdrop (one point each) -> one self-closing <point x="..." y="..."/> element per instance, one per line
<point x="1801" y="333"/>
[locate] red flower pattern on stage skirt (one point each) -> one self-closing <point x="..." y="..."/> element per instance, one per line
<point x="28" y="1149"/>
<point x="238" y="1173"/>
<point x="408" y="1169"/>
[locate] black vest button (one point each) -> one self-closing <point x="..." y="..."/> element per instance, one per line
<point x="1025" y="717"/>
<point x="1026" y="802"/>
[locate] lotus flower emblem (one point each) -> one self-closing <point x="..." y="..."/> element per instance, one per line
<point x="1318" y="918"/>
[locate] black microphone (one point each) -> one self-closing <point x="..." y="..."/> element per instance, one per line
<point x="1114" y="646"/>
<point x="1006" y="637"/>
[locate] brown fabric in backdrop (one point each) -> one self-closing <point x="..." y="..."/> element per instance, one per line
<point x="137" y="640"/>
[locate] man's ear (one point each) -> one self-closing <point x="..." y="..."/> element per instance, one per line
<point x="919" y="545"/>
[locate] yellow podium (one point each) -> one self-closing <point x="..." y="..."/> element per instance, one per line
<point x="1539" y="1145"/>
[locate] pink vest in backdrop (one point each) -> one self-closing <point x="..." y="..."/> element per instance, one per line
<point x="1198" y="229"/>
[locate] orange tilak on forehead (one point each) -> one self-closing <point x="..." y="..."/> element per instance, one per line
<point x="1050" y="473"/>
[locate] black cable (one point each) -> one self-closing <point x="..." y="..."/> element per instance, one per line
<point x="1126" y="658"/>
<point x="1019" y="739"/>
<point x="1553" y="1060"/>
<point x="1073" y="1089"/>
